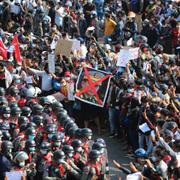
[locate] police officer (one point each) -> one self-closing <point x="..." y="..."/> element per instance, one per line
<point x="5" y="158"/>
<point x="51" y="129"/>
<point x="92" y="170"/>
<point x="5" y="118"/>
<point x="86" y="136"/>
<point x="56" y="141"/>
<point x="103" y="162"/>
<point x="59" y="167"/>
<point x="78" y="158"/>
<point x="44" y="160"/>
<point x="74" y="172"/>
<point x="20" y="164"/>
<point x="26" y="111"/>
<point x="30" y="148"/>
<point x="13" y="94"/>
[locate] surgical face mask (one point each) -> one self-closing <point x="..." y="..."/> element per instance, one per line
<point x="50" y="136"/>
<point x="28" y="115"/>
<point x="22" y="164"/>
<point x="67" y="78"/>
<point x="79" y="149"/>
<point x="31" y="137"/>
<point x="98" y="159"/>
<point x="70" y="155"/>
<point x="43" y="151"/>
<point x="13" y="125"/>
<point x="9" y="150"/>
<point x="154" y="159"/>
<point x="89" y="137"/>
<point x="32" y="149"/>
<point x="17" y="81"/>
<point x="18" y="114"/>
<point x="7" y="115"/>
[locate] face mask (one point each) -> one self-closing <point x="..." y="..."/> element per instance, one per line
<point x="7" y="115"/>
<point x="22" y="164"/>
<point x="31" y="149"/>
<point x="43" y="151"/>
<point x="70" y="155"/>
<point x="98" y="159"/>
<point x="28" y="115"/>
<point x="18" y="115"/>
<point x="9" y="150"/>
<point x="79" y="149"/>
<point x="12" y="125"/>
<point x="90" y="137"/>
<point x="31" y="137"/>
<point x="18" y="81"/>
<point x="67" y="78"/>
<point x="153" y="159"/>
<point x="50" y="136"/>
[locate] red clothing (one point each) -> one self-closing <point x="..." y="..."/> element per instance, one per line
<point x="175" y="35"/>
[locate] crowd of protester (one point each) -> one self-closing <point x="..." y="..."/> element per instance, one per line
<point x="45" y="136"/>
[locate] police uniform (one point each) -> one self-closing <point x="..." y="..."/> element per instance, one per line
<point x="91" y="171"/>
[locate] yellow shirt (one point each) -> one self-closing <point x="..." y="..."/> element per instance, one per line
<point x="109" y="27"/>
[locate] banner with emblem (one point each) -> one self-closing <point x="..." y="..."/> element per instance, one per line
<point x="92" y="86"/>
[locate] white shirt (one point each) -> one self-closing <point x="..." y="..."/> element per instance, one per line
<point x="46" y="84"/>
<point x="8" y="78"/>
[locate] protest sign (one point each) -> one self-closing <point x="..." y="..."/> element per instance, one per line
<point x="63" y="47"/>
<point x="51" y="63"/>
<point x="14" y="175"/>
<point x="92" y="86"/>
<point x="127" y="54"/>
<point x="76" y="45"/>
<point x="66" y="46"/>
<point x="134" y="176"/>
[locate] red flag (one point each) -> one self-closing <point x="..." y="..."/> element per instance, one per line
<point x="3" y="50"/>
<point x="16" y="51"/>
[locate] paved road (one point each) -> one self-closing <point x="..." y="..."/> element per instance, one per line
<point x="115" y="152"/>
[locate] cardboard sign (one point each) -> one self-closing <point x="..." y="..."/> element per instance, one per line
<point x="66" y="46"/>
<point x="127" y="54"/>
<point x="63" y="47"/>
<point x="92" y="86"/>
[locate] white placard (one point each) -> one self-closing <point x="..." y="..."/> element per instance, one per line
<point x="14" y="175"/>
<point x="76" y="45"/>
<point x="28" y="79"/>
<point x="127" y="54"/>
<point x="134" y="176"/>
<point x="51" y="63"/>
<point x="144" y="127"/>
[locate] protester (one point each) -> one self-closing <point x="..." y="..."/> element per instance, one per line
<point x="124" y="55"/>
